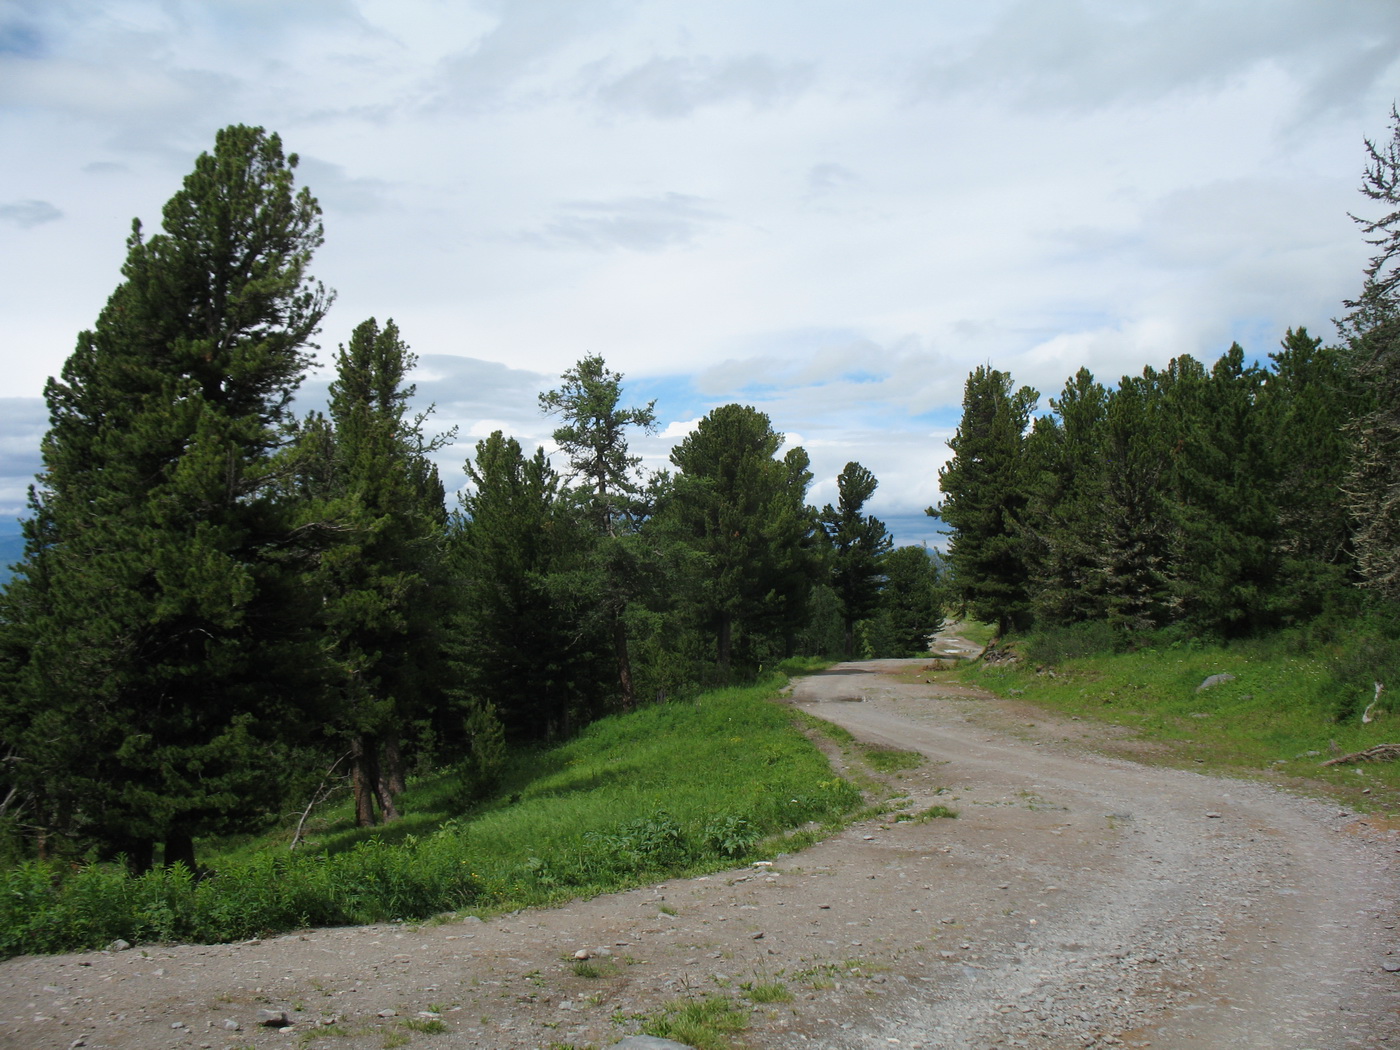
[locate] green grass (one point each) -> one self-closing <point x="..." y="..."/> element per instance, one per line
<point x="668" y="789"/>
<point x="1279" y="713"/>
<point x="975" y="632"/>
<point x="426" y="1025"/>
<point x="890" y="759"/>
<point x="935" y="812"/>
<point x="706" y="1023"/>
<point x="767" y="992"/>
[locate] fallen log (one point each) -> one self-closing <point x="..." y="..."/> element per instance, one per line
<point x="1379" y="753"/>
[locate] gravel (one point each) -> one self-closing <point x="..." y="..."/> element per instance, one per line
<point x="1077" y="901"/>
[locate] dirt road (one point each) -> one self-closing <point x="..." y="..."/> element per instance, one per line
<point x="1076" y="901"/>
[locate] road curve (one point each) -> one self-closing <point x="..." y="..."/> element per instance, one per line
<point x="1101" y="901"/>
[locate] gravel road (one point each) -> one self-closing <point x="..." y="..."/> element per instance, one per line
<point x="1076" y="901"/>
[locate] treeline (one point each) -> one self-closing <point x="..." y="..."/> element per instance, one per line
<point x="1223" y="501"/>
<point x="223" y="605"/>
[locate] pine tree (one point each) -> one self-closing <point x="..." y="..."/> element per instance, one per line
<point x="1066" y="486"/>
<point x="984" y="499"/>
<point x="381" y="578"/>
<point x="594" y="437"/>
<point x="1308" y="398"/>
<point x="164" y="648"/>
<point x="1372" y="329"/>
<point x="1225" y="559"/>
<point x="743" y="512"/>
<point x="910" y="609"/>
<point x="1137" y="531"/>
<point x="530" y="641"/>
<point x="858" y="542"/>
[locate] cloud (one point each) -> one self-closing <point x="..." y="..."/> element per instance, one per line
<point x="1085" y="54"/>
<point x="639" y="224"/>
<point x="828" y="177"/>
<point x="340" y="192"/>
<point x="514" y="51"/>
<point x="673" y="88"/>
<point x="26" y="214"/>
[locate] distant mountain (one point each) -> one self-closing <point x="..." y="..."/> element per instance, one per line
<point x="11" y="547"/>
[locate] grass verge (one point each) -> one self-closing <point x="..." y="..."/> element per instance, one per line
<point x="669" y="789"/>
<point x="1286" y="707"/>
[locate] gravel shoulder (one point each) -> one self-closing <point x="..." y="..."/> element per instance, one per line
<point x="1076" y="901"/>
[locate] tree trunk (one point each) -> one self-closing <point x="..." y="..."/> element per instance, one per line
<point x="387" y="810"/>
<point x="179" y="848"/>
<point x="364" y="775"/>
<point x="726" y="639"/>
<point x="140" y="856"/>
<point x="393" y="763"/>
<point x="850" y="639"/>
<point x="624" y="663"/>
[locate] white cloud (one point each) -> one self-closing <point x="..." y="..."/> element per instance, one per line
<point x="675" y="87"/>
<point x="25" y="214"/>
<point x="831" y="212"/>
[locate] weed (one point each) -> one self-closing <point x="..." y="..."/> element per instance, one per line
<point x="890" y="759"/>
<point x="426" y="1025"/>
<point x="594" y="970"/>
<point x="666" y="909"/>
<point x="392" y="1040"/>
<point x="705" y="1023"/>
<point x="768" y="992"/>
<point x="935" y="812"/>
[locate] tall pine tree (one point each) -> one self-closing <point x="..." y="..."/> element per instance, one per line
<point x="858" y="543"/>
<point x="984" y="499"/>
<point x="381" y="577"/>
<point x="165" y="646"/>
<point x="593" y="434"/>
<point x="743" y="511"/>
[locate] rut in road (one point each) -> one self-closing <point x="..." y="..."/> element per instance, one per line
<point x="1156" y="906"/>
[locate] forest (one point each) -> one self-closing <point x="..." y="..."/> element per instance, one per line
<point x="222" y="603"/>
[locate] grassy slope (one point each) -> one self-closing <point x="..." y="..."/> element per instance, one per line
<point x="670" y="788"/>
<point x="1277" y="715"/>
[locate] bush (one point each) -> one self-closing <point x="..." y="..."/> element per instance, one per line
<point x="1368" y="659"/>
<point x="1055" y="645"/>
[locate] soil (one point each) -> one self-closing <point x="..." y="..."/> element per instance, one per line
<point x="1077" y="900"/>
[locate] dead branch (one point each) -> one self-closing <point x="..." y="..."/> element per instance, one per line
<point x="1379" y="753"/>
<point x="318" y="796"/>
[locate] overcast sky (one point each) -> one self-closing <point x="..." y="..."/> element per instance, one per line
<point x="829" y="210"/>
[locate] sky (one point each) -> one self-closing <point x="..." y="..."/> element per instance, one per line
<point x="832" y="211"/>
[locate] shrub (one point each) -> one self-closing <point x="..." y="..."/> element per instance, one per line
<point x="1055" y="645"/>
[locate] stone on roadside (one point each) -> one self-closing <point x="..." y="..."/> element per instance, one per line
<point x="118" y="945"/>
<point x="273" y="1018"/>
<point x="651" y="1042"/>
<point x="1213" y="681"/>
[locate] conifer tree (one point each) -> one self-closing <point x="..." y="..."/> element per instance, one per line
<point x="743" y="511"/>
<point x="1225" y="558"/>
<point x="858" y="542"/>
<point x="909" y="611"/>
<point x="165" y="644"/>
<point x="381" y="578"/>
<point x="530" y="642"/>
<point x="1308" y="398"/>
<point x="1137" y="532"/>
<point x="1065" y="464"/>
<point x="1372" y="328"/>
<point x="593" y="435"/>
<point x="984" y="498"/>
